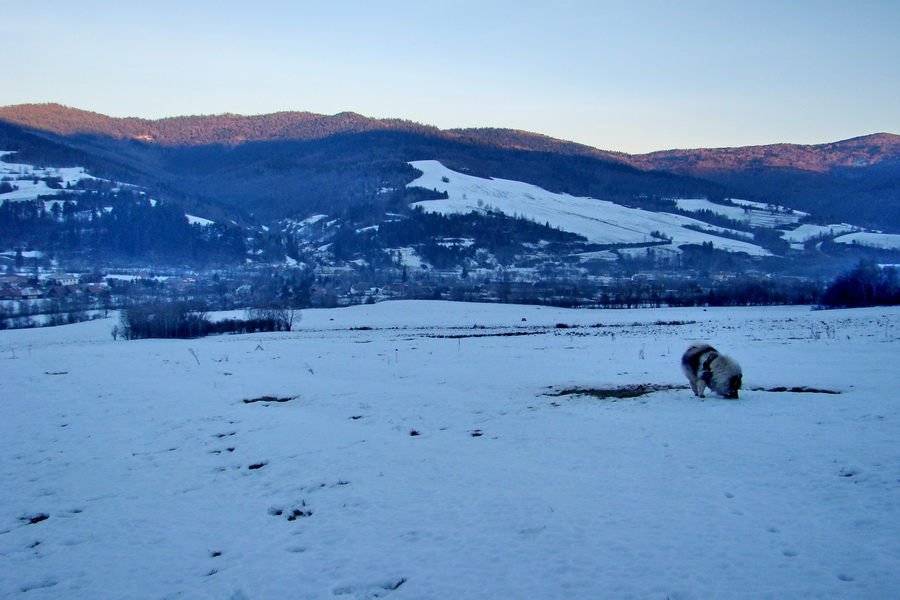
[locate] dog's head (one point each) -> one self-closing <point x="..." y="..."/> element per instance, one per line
<point x="734" y="384"/>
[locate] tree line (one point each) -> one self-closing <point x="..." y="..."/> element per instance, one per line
<point x="867" y="284"/>
<point x="187" y="320"/>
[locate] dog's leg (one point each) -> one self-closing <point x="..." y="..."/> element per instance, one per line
<point x="701" y="388"/>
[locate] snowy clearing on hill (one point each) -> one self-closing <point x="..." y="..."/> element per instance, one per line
<point x="754" y="214"/>
<point x="600" y="221"/>
<point x="29" y="179"/>
<point x="885" y="241"/>
<point x="199" y="221"/>
<point x="441" y="450"/>
<point x="807" y="232"/>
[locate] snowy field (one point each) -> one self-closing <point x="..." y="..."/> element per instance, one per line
<point x="427" y="450"/>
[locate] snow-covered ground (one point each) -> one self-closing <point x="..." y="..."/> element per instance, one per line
<point x="600" y="221"/>
<point x="886" y="241"/>
<point x="422" y="453"/>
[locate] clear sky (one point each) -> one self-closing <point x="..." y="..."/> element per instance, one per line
<point x="629" y="75"/>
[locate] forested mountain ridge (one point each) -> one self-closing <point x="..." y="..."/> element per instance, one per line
<point x="855" y="180"/>
<point x="225" y="129"/>
<point x="856" y="152"/>
<point x="228" y="129"/>
<point x="291" y="163"/>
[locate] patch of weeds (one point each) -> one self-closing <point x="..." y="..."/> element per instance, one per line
<point x="322" y="486"/>
<point x="458" y="336"/>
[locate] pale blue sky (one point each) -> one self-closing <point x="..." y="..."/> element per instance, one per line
<point x="632" y="76"/>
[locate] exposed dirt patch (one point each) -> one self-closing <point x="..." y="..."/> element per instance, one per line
<point x="795" y="390"/>
<point x="269" y="399"/>
<point x="637" y="390"/>
<point x="617" y="393"/>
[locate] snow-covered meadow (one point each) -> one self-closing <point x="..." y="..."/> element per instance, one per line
<point x="600" y="221"/>
<point x="431" y="450"/>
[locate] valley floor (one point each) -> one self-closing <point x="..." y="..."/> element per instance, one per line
<point x="429" y="450"/>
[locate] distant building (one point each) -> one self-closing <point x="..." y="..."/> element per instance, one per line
<point x="62" y="279"/>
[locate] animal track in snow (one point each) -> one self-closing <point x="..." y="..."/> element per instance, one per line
<point x="34" y="518"/>
<point x="292" y="513"/>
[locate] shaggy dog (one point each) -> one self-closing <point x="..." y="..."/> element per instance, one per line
<point x="704" y="366"/>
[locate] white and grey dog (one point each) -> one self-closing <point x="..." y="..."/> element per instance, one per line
<point x="705" y="366"/>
